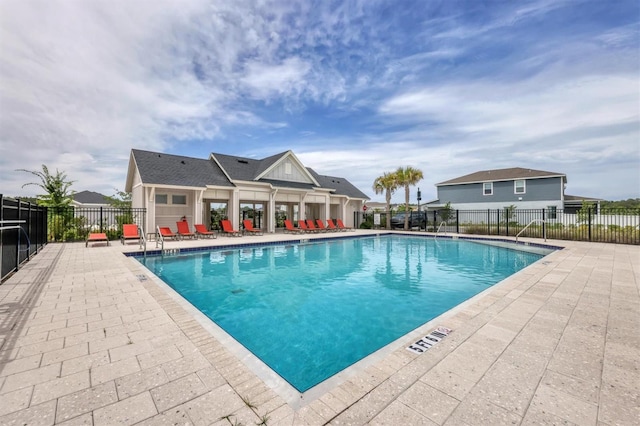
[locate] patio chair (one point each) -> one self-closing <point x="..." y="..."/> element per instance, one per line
<point x="165" y="232"/>
<point x="130" y="232"/>
<point x="303" y="225"/>
<point x="289" y="228"/>
<point x="96" y="237"/>
<point x="202" y="230"/>
<point x="227" y="228"/>
<point x="312" y="226"/>
<point x="248" y="227"/>
<point x="332" y="226"/>
<point x="183" y="229"/>
<point x="321" y="226"/>
<point x="341" y="225"/>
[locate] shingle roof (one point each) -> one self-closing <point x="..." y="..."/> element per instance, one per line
<point x="241" y="168"/>
<point x="580" y="198"/>
<point x="167" y="169"/>
<point x="502" y="174"/>
<point x="341" y="185"/>
<point x="90" y="197"/>
<point x="286" y="184"/>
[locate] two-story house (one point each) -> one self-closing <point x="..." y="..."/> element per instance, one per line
<point x="500" y="188"/>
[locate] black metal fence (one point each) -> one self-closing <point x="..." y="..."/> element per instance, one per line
<point x="76" y="223"/>
<point x="23" y="232"/>
<point x="604" y="225"/>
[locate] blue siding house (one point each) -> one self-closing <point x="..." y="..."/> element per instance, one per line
<point x="496" y="189"/>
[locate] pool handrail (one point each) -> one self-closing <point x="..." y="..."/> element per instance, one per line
<point x="438" y="230"/>
<point x="544" y="229"/>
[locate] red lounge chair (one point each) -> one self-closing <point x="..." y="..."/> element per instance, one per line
<point x="321" y="226"/>
<point x="227" y="228"/>
<point x="130" y="232"/>
<point x="288" y="227"/>
<point x="341" y="225"/>
<point x="248" y="227"/>
<point x="303" y="225"/>
<point x="332" y="226"/>
<point x="95" y="237"/>
<point x="165" y="232"/>
<point x="203" y="231"/>
<point x="312" y="226"/>
<point x="183" y="229"/>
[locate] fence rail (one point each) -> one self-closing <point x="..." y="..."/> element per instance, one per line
<point x="76" y="223"/>
<point x="604" y="225"/>
<point x="23" y="232"/>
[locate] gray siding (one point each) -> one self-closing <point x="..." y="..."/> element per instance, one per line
<point x="503" y="192"/>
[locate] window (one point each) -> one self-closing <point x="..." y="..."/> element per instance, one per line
<point x="178" y="199"/>
<point x="519" y="186"/>
<point x="161" y="198"/>
<point x="552" y="212"/>
<point x="287" y="168"/>
<point x="487" y="188"/>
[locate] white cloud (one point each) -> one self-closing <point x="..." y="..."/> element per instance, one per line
<point x="286" y="79"/>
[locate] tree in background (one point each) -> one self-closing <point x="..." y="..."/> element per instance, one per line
<point x="388" y="184"/>
<point x="56" y="187"/>
<point x="120" y="200"/>
<point x="446" y="212"/>
<point x="407" y="176"/>
<point x="585" y="211"/>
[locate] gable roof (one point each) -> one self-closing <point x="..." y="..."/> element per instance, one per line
<point x="339" y="185"/>
<point x="221" y="170"/>
<point x="241" y="168"/>
<point x="90" y="197"/>
<point x="167" y="169"/>
<point x="502" y="174"/>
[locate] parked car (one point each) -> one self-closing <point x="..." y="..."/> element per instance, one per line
<point x="415" y="219"/>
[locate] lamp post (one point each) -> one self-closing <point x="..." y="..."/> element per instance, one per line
<point x="419" y="198"/>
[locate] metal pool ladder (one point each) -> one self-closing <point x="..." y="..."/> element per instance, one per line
<point x="445" y="230"/>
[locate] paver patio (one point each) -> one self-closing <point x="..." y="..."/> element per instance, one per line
<point x="85" y="341"/>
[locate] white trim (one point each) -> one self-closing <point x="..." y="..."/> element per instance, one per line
<point x="483" y="189"/>
<point x="289" y="154"/>
<point x="213" y="157"/>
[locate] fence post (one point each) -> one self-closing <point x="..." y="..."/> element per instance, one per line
<point x="457" y="222"/>
<point x="29" y="226"/>
<point x="507" y="218"/>
<point x="101" y="219"/>
<point x="19" y="208"/>
<point x="589" y="222"/>
<point x="488" y="221"/>
<point x="498" y="211"/>
<point x="544" y="226"/>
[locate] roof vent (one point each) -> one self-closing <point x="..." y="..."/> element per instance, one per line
<point x="183" y="162"/>
<point x="243" y="161"/>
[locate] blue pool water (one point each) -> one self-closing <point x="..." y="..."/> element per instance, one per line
<point x="308" y="311"/>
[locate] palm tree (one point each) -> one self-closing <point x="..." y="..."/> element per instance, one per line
<point x="56" y="186"/>
<point x="388" y="184"/>
<point x="407" y="176"/>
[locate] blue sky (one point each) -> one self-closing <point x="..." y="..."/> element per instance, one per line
<point x="355" y="88"/>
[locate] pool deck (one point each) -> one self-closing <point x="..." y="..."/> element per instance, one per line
<point x="90" y="337"/>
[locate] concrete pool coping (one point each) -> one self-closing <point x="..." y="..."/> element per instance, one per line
<point x="84" y="340"/>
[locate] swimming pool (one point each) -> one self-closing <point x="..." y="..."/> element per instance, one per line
<point x="310" y="310"/>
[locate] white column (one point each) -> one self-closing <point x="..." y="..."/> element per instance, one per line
<point x="234" y="208"/>
<point x="197" y="207"/>
<point x="271" y="212"/>
<point x="149" y="195"/>
<point x="327" y="208"/>
<point x="302" y="213"/>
